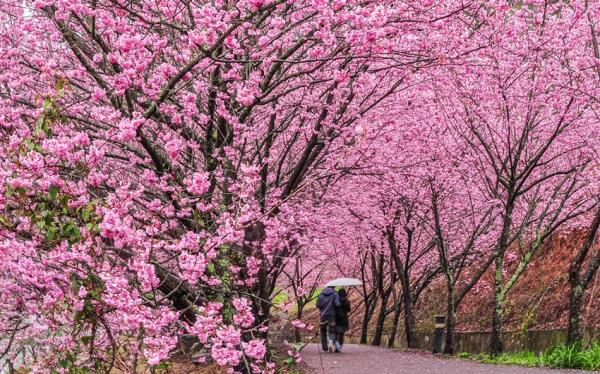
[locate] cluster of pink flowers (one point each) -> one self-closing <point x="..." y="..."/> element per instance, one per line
<point x="243" y="317"/>
<point x="298" y="324"/>
<point x="225" y="346"/>
<point x="155" y="155"/>
<point x="225" y="356"/>
<point x="295" y="355"/>
<point x="127" y="127"/>
<point x="255" y="349"/>
<point x="245" y="96"/>
<point x="193" y="266"/>
<point x="198" y="183"/>
<point x="174" y="148"/>
<point x="207" y="322"/>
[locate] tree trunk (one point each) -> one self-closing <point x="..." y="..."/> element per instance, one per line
<point x="403" y="272"/>
<point x="380" y="321"/>
<point x="297" y="333"/>
<point x="397" y="312"/>
<point x="410" y="323"/>
<point x="496" y="342"/>
<point x="574" y="329"/>
<point x="363" y="331"/>
<point x="579" y="283"/>
<point x="365" y="322"/>
<point x="450" y="322"/>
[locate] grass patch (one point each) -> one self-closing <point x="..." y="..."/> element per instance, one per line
<point x="517" y="358"/>
<point x="572" y="357"/>
<point x="560" y="356"/>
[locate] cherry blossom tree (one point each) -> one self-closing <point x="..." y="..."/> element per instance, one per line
<point x="462" y="227"/>
<point x="523" y="118"/>
<point x="508" y="133"/>
<point x="167" y="166"/>
<point x="153" y="153"/>
<point x="304" y="278"/>
<point x="580" y="276"/>
<point x="391" y="209"/>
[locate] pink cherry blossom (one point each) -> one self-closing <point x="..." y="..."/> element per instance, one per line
<point x="166" y="169"/>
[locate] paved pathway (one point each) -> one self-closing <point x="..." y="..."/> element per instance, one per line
<point x="360" y="359"/>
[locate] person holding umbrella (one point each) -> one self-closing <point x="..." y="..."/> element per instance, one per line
<point x="327" y="303"/>
<point x="342" y="323"/>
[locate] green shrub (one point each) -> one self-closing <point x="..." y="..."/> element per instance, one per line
<point x="560" y="356"/>
<point x="573" y="356"/>
<point x="590" y="358"/>
<point x="517" y="358"/>
<point x="463" y="355"/>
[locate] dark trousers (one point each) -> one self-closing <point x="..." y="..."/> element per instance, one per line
<point x="340" y="338"/>
<point x="327" y="330"/>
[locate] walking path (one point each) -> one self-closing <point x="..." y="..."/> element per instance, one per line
<point x="361" y="359"/>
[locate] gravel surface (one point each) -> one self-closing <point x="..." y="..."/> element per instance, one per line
<point x="360" y="359"/>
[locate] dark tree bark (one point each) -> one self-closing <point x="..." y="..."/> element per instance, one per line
<point x="396" y="320"/>
<point x="496" y="346"/>
<point x="410" y="324"/>
<point x="380" y="322"/>
<point x="384" y="296"/>
<point x="370" y="297"/>
<point x="453" y="265"/>
<point x="503" y="241"/>
<point x="411" y="289"/>
<point x="383" y="314"/>
<point x="404" y="275"/>
<point x="450" y="321"/>
<point x="297" y="332"/>
<point x="579" y="280"/>
<point x="575" y="328"/>
<point x="368" y="314"/>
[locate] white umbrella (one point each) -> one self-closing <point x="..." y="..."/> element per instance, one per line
<point x="343" y="282"/>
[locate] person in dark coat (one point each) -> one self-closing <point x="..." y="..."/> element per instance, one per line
<point x="342" y="324"/>
<point x="327" y="303"/>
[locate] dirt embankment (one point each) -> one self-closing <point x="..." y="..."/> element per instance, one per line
<point x="540" y="298"/>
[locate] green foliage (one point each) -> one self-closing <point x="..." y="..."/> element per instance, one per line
<point x="162" y="366"/>
<point x="57" y="221"/>
<point x="52" y="112"/>
<point x="210" y="268"/>
<point x="563" y="356"/>
<point x="560" y="356"/>
<point x="280" y="297"/>
<point x="463" y="355"/>
<point x="517" y="358"/>
<point x="67" y="363"/>
<point x="590" y="358"/>
<point x="289" y="361"/>
<point x="50" y="212"/>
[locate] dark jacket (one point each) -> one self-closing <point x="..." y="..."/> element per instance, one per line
<point x="327" y="302"/>
<point x="341" y="315"/>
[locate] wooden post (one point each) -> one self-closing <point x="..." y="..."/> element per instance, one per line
<point x="440" y="325"/>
